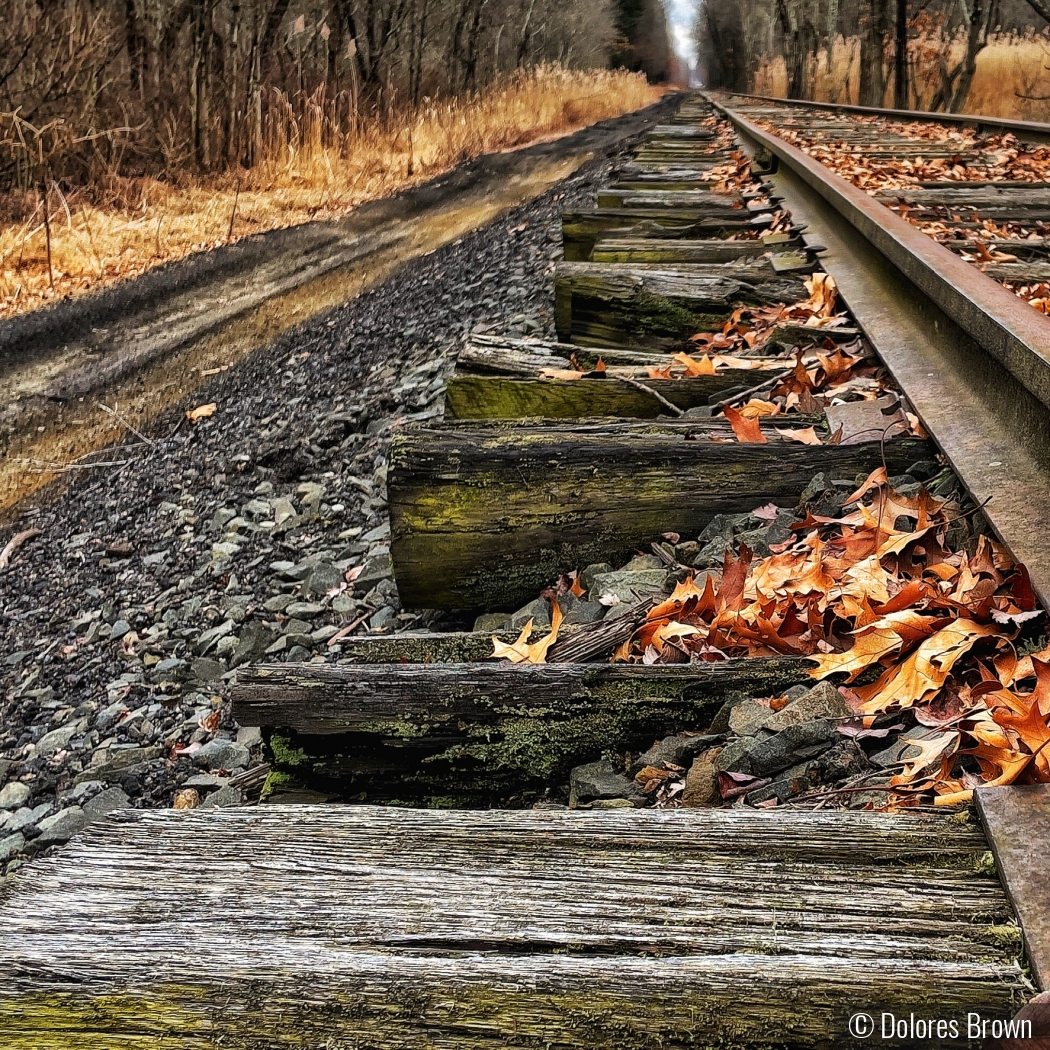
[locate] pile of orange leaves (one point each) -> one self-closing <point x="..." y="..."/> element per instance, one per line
<point x="749" y="327"/>
<point x="935" y="627"/>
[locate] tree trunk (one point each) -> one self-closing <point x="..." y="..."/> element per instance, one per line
<point x="982" y="17"/>
<point x="900" y="56"/>
<point x="872" y="53"/>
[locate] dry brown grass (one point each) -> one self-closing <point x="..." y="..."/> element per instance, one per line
<point x="1010" y="67"/>
<point x="145" y="222"/>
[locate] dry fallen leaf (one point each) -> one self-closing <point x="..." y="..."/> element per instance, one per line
<point x="746" y="430"/>
<point x="186" y="798"/>
<point x="521" y="651"/>
<point x="201" y="412"/>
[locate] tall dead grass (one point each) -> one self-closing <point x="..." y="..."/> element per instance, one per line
<point x="313" y="167"/>
<point x="1012" y="72"/>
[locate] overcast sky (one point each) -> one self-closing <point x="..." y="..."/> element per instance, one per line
<point x="681" y="14"/>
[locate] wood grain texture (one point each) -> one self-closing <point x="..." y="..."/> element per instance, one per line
<point x="332" y="699"/>
<point x="406" y="928"/>
<point x="579" y="229"/>
<point x="485" y="516"/>
<point x="507" y="397"/>
<point x="649" y="305"/>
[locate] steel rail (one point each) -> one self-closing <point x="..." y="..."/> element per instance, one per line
<point x="1025" y="130"/>
<point x="971" y="357"/>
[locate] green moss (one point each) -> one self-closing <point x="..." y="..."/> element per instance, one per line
<point x="275" y="780"/>
<point x="658" y="315"/>
<point x="985" y="864"/>
<point x="1007" y="936"/>
<point x="283" y="754"/>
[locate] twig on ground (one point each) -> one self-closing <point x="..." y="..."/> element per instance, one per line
<point x="120" y="419"/>
<point x="348" y="629"/>
<point x="649" y="390"/>
<point x="741" y="394"/>
<point x="14" y="543"/>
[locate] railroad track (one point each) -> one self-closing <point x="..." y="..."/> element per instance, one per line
<point x="621" y="485"/>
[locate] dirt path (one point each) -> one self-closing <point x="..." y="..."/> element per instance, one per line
<point x="143" y="345"/>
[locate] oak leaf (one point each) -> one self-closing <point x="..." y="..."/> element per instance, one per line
<point x="746" y="430"/>
<point x="521" y="651"/>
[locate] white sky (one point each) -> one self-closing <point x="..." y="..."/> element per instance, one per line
<point x="681" y="14"/>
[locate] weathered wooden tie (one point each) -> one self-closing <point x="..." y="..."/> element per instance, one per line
<point x="402" y="929"/>
<point x="482" y="517"/>
<point x="480" y="732"/>
<point x="660" y="305"/>
<point x="580" y="229"/>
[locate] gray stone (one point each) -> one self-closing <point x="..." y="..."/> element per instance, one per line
<point x="105" y="802"/>
<point x="256" y="508"/>
<point x="249" y="736"/>
<point x="57" y="739"/>
<point x="376" y="567"/>
<point x="842" y="761"/>
<point x="11" y="845"/>
<point x="675" y="751"/>
<point x="225" y="796"/>
<point x="764" y="756"/>
<point x="285" y="516"/>
<point x="628" y="587"/>
<point x="585" y="612"/>
<point x="701" y="782"/>
<point x="60" y="828"/>
<point x="83" y="790"/>
<point x="385" y="617"/>
<point x="209" y="637"/>
<point x="749" y="717"/>
<point x="120" y="628"/>
<point x="120" y="763"/>
<point x="207" y="781"/>
<point x="324" y="578"/>
<point x="295" y="626"/>
<point x="380" y="532"/>
<point x="721" y="527"/>
<point x="225" y="646"/>
<point x="823" y="701"/>
<point x="304" y="610"/>
<point x="599" y="780"/>
<point x="641" y="562"/>
<point x="279" y="602"/>
<point x="205" y="669"/>
<point x="588" y="574"/>
<point x="28" y="818"/>
<point x="539" y="611"/>
<point x="221" y="754"/>
<point x="14" y="795"/>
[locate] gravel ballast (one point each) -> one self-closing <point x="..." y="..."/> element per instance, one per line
<point x="257" y="533"/>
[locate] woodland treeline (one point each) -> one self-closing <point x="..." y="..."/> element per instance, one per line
<point x="89" y="87"/>
<point x="904" y="53"/>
